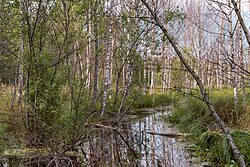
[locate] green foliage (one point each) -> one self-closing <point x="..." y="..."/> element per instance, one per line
<point x="2" y="143"/>
<point x="175" y="15"/>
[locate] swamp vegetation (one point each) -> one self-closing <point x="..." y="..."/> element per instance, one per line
<point x="124" y="83"/>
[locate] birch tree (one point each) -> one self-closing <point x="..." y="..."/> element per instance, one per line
<point x="108" y="65"/>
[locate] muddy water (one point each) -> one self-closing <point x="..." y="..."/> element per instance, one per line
<point x="146" y="139"/>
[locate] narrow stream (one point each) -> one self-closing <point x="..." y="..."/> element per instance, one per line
<point x="162" y="149"/>
<point x="143" y="140"/>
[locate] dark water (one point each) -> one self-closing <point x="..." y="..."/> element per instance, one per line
<point x="138" y="141"/>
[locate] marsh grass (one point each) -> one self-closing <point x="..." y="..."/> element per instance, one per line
<point x="245" y="119"/>
<point x="192" y="116"/>
<point x="161" y="99"/>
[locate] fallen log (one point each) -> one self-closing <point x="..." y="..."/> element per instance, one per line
<point x="170" y="135"/>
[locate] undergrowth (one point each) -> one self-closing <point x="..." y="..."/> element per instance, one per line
<point x="193" y="116"/>
<point x="147" y="101"/>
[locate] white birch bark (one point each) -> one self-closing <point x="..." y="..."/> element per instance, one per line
<point x="89" y="29"/>
<point x="107" y="72"/>
<point x="145" y="73"/>
<point x="232" y="57"/>
<point x="169" y="71"/>
<point x="129" y="76"/>
<point x="20" y="64"/>
<point x="152" y="75"/>
<point x="164" y="68"/>
<point x="220" y="66"/>
<point x="111" y="64"/>
<point x="241" y="56"/>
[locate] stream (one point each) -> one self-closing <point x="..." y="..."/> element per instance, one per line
<point x="146" y="139"/>
<point x="159" y="148"/>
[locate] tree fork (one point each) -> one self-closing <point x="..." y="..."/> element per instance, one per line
<point x="206" y="98"/>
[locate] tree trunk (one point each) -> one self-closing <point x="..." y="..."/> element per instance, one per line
<point x="232" y="58"/>
<point x="96" y="70"/>
<point x="145" y="72"/>
<point x="108" y="62"/>
<point x="245" y="30"/>
<point x="152" y="75"/>
<point x="164" y="68"/>
<point x="127" y="85"/>
<point x="20" y="64"/>
<point x="88" y="56"/>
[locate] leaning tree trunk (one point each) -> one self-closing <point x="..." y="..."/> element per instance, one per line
<point x="127" y="84"/>
<point x="243" y="25"/>
<point x="203" y="92"/>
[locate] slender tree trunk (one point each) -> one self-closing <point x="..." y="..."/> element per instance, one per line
<point x="169" y="71"/>
<point x="96" y="70"/>
<point x="129" y="76"/>
<point x="245" y="30"/>
<point x="89" y="48"/>
<point x="241" y="57"/>
<point x="232" y="57"/>
<point x="164" y="68"/>
<point x="145" y="72"/>
<point x="220" y="65"/>
<point x="124" y="71"/>
<point x="206" y="98"/>
<point x="108" y="63"/>
<point x="20" y="64"/>
<point x="152" y="76"/>
<point x="113" y="43"/>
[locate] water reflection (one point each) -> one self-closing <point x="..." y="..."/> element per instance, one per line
<point x="140" y="142"/>
<point x="159" y="150"/>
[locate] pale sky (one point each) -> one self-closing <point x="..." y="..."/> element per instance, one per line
<point x="245" y="5"/>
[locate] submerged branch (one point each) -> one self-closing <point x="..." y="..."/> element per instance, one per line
<point x="170" y="135"/>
